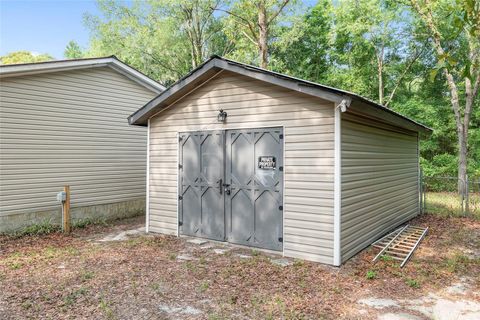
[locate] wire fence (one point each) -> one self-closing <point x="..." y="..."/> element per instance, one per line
<point x="439" y="194"/>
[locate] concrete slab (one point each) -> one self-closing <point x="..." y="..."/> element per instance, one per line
<point x="123" y="235"/>
<point x="197" y="241"/>
<point x="185" y="257"/>
<point x="221" y="251"/>
<point x="446" y="309"/>
<point x="282" y="262"/>
<point x="187" y="310"/>
<point x="378" y="303"/>
<point x="398" y="316"/>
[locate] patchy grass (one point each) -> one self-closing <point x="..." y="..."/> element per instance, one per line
<point x="36" y="230"/>
<point x="83" y="223"/>
<point x="412" y="283"/>
<point x="448" y="204"/>
<point x="371" y="274"/>
<point x="71" y="276"/>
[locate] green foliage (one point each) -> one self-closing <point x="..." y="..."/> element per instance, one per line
<point x="412" y="283"/>
<point x="371" y="274"/>
<point x="386" y="258"/>
<point x="37" y="229"/>
<point x="371" y="47"/>
<point x="24" y="57"/>
<point x="304" y="48"/>
<point x="164" y="39"/>
<point x="73" y="51"/>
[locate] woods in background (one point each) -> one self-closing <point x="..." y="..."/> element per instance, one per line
<point x="418" y="57"/>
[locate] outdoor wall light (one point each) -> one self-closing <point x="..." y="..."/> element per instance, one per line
<point x="222" y="116"/>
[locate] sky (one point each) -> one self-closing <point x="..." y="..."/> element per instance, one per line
<point x="43" y="26"/>
<point x="46" y="26"/>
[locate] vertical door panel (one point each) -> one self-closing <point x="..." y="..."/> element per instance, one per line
<point x="253" y="209"/>
<point x="201" y="174"/>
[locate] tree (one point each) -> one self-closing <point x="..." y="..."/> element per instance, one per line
<point x="372" y="41"/>
<point x="199" y="26"/>
<point x="255" y="19"/>
<point x="454" y="30"/>
<point x="164" y="39"/>
<point x="305" y="51"/>
<point x="73" y="51"/>
<point x="24" y="57"/>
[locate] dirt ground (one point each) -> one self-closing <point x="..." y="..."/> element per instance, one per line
<point x="118" y="272"/>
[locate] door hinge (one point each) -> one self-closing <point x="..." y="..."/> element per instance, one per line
<point x="280" y="136"/>
<point x="280" y="239"/>
<point x="180" y="223"/>
<point x="180" y="166"/>
<point x="280" y="208"/>
<point x="180" y="138"/>
<point x="180" y="198"/>
<point x="280" y="168"/>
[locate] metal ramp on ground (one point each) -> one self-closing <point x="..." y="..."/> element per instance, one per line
<point x="400" y="244"/>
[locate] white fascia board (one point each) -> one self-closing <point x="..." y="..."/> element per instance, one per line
<point x="136" y="75"/>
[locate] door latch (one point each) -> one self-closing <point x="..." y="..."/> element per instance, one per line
<point x="227" y="188"/>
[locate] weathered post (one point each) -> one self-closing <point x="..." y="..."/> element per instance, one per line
<point x="66" y="210"/>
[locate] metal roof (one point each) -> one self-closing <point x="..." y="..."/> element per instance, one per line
<point x="216" y="64"/>
<point x="13" y="70"/>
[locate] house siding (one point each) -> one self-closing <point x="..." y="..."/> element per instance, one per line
<point x="309" y="165"/>
<point x="380" y="172"/>
<point x="70" y="128"/>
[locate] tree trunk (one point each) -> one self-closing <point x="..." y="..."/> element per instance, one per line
<point x="462" y="160"/>
<point x="380" y="81"/>
<point x="381" y="89"/>
<point x="263" y="35"/>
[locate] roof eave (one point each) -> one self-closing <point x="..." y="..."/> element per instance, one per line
<point x="215" y="63"/>
<point x="64" y="65"/>
<point x="384" y="114"/>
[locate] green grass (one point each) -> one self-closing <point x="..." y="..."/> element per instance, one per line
<point x="412" y="283"/>
<point x="448" y="204"/>
<point x="46" y="227"/>
<point x="36" y="229"/>
<point x="83" y="223"/>
<point x="371" y="275"/>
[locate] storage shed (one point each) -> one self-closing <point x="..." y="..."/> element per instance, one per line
<point x="64" y="123"/>
<point x="241" y="154"/>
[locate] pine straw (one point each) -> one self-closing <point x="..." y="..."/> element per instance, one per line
<point x="72" y="277"/>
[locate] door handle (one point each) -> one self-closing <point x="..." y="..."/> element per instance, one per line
<point x="220" y="185"/>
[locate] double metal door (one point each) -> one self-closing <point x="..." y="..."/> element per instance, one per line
<point x="231" y="186"/>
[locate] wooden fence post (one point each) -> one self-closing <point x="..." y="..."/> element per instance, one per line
<point x="66" y="210"/>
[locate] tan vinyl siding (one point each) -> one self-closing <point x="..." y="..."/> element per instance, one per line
<point x="70" y="128"/>
<point x="379" y="181"/>
<point x="308" y="121"/>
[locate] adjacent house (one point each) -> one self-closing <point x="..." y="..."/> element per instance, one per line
<point x="245" y="155"/>
<point x="65" y="123"/>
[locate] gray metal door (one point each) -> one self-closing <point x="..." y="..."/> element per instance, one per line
<point x="201" y="173"/>
<point x="254" y="187"/>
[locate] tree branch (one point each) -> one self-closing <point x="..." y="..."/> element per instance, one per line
<point x="404" y="73"/>
<point x="284" y="3"/>
<point x="246" y="23"/>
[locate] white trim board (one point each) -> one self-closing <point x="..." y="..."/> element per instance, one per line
<point x="147" y="202"/>
<point x="337" y="194"/>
